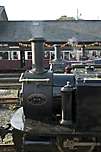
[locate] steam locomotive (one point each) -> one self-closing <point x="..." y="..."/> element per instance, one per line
<point x="59" y="112"/>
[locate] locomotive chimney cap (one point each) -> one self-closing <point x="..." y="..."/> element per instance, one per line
<point x="40" y="39"/>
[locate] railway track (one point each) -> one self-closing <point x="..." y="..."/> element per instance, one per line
<point x="9" y="80"/>
<point x="8" y="100"/>
<point x="7" y="148"/>
<point x="11" y="148"/>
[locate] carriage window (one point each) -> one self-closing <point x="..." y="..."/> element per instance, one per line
<point x="3" y="55"/>
<point x="67" y="56"/>
<point x="15" y="55"/>
<point x="29" y="55"/>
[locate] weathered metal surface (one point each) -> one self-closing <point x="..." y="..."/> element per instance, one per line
<point x="89" y="105"/>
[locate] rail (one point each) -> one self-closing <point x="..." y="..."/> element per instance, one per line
<point x="7" y="148"/>
<point x="9" y="80"/>
<point x="8" y="100"/>
<point x="10" y="85"/>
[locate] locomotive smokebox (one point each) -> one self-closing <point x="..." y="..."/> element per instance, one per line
<point x="66" y="93"/>
<point x="37" y="86"/>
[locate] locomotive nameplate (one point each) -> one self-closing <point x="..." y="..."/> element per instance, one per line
<point x="36" y="99"/>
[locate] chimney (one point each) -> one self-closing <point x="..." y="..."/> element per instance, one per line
<point x="58" y="64"/>
<point x="57" y="50"/>
<point x="37" y="54"/>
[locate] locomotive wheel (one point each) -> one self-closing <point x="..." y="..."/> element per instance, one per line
<point x="74" y="145"/>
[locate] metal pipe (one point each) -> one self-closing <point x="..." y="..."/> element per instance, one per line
<point x="57" y="50"/>
<point x="37" y="54"/>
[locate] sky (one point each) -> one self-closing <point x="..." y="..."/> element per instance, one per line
<point x="52" y="9"/>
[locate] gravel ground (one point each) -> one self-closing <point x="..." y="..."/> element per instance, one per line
<point x="6" y="112"/>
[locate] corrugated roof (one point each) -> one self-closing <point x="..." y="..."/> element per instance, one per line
<point x="54" y="31"/>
